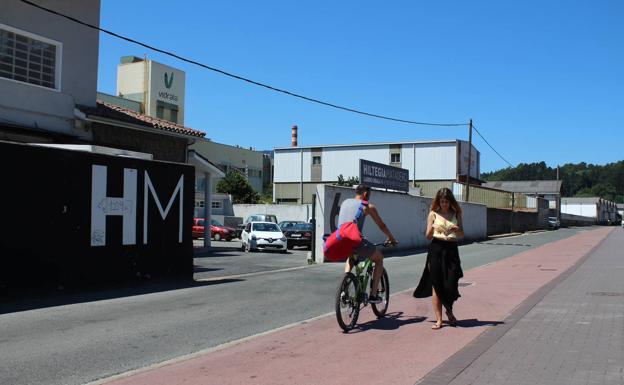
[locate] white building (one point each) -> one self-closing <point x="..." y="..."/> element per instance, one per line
<point x="298" y="169"/>
<point x="158" y="87"/>
<point x="48" y="67"/>
<point x="604" y="211"/>
<point x="247" y="161"/>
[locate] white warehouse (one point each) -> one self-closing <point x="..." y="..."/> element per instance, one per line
<point x="298" y="169"/>
<point x="602" y="210"/>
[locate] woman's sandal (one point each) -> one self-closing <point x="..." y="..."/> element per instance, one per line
<point x="452" y="320"/>
<point x="436" y="326"/>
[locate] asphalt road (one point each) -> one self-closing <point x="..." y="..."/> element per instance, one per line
<point x="82" y="337"/>
<point x="226" y="259"/>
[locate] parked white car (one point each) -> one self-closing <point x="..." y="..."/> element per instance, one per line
<point x="263" y="236"/>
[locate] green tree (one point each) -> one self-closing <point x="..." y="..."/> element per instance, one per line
<point x="267" y="195"/>
<point x="351" y="181"/>
<point x="235" y="184"/>
<point x="580" y="179"/>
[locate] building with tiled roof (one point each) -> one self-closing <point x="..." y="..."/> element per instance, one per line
<point x="111" y="111"/>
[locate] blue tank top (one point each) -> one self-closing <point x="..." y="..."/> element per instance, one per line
<point x="351" y="210"/>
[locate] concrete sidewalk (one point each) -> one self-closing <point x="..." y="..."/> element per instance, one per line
<point x="400" y="349"/>
<point x="574" y="335"/>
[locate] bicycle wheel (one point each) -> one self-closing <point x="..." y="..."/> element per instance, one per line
<point x="347" y="303"/>
<point x="384" y="292"/>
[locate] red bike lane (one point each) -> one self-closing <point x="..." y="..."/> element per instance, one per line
<point x="399" y="349"/>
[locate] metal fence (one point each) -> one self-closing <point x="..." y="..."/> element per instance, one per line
<point x="487" y="196"/>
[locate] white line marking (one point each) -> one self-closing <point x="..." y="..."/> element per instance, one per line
<point x="252" y="274"/>
<point x="215" y="348"/>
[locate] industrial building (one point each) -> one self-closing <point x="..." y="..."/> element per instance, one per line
<point x="603" y="211"/>
<point x="157" y="91"/>
<point x="299" y="169"/>
<point x="247" y="161"/>
<point x="550" y="190"/>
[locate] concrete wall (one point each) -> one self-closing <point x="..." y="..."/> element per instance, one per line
<point x="576" y="220"/>
<point x="501" y="221"/>
<point x="579" y="209"/>
<point x="48" y="109"/>
<point x="282" y="212"/>
<point x="543" y="212"/>
<point x="95" y="224"/>
<point x="162" y="147"/>
<point x="405" y="215"/>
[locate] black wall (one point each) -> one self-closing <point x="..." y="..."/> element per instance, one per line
<point x="45" y="218"/>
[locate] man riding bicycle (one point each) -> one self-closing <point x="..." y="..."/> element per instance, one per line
<point x="356" y="209"/>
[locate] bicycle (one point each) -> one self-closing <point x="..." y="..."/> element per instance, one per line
<point x="352" y="296"/>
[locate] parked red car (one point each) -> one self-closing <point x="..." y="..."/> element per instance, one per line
<point x="217" y="230"/>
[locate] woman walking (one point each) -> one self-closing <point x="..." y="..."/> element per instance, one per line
<point x="443" y="269"/>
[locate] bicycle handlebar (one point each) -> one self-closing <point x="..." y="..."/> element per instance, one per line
<point x="385" y="243"/>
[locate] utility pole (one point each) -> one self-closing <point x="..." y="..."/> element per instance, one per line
<point x="301" y="178"/>
<point x="558" y="198"/>
<point x="469" y="159"/>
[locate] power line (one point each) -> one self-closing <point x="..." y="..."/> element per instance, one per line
<point x="497" y="153"/>
<point x="240" y="77"/>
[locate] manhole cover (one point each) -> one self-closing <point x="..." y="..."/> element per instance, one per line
<point x="464" y="284"/>
<point x="606" y="294"/>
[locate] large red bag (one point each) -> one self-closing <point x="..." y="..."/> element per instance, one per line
<point x="342" y="242"/>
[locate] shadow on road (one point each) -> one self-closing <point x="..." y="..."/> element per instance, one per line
<point x="201" y="269"/>
<point x="473" y="322"/>
<point x="391" y="321"/>
<point x="221" y="252"/>
<point x="216" y="252"/>
<point x="23" y="300"/>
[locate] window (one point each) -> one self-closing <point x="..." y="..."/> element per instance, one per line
<point x="268" y="227"/>
<point x="316" y="160"/>
<point x="200" y="184"/>
<point x="27" y="58"/>
<point x="199" y="203"/>
<point x="395" y="158"/>
<point x="287" y="200"/>
<point x="166" y="111"/>
<point x="217" y="204"/>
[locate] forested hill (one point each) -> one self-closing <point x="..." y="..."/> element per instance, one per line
<point x="580" y="180"/>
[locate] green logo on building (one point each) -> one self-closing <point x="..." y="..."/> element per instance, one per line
<point x="168" y="80"/>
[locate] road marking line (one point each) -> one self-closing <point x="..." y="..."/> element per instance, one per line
<point x="252" y="274"/>
<point x="248" y="338"/>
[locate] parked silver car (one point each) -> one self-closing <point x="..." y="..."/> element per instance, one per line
<point x="553" y="223"/>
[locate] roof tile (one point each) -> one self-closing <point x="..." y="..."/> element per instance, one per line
<point x="111" y="111"/>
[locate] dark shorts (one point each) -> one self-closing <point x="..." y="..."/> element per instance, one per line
<point x="364" y="250"/>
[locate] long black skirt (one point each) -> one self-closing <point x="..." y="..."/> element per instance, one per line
<point x="442" y="272"/>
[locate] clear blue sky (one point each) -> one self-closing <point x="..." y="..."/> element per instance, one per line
<point x="541" y="80"/>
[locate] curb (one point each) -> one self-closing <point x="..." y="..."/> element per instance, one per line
<point x="453" y="366"/>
